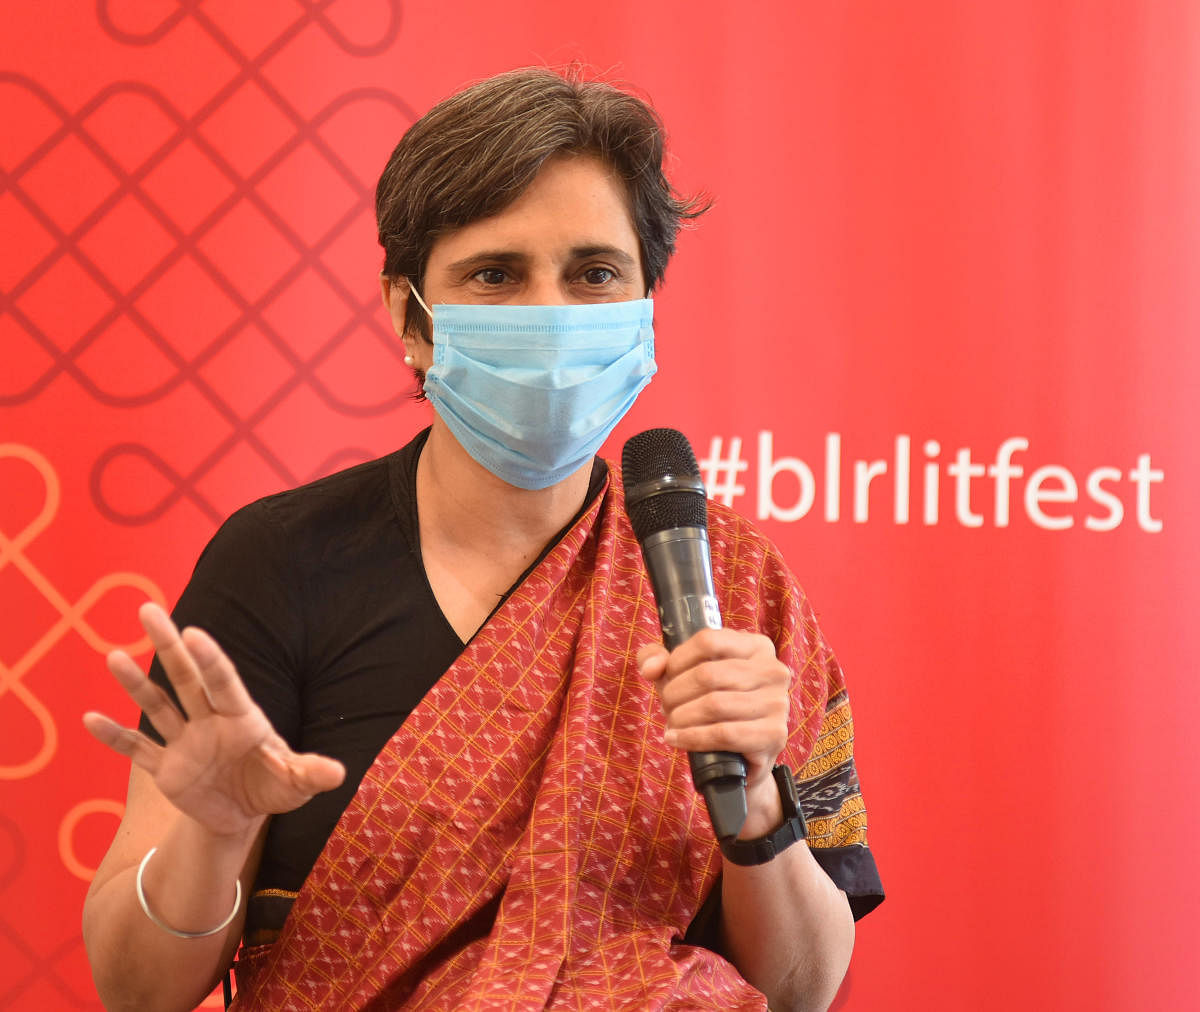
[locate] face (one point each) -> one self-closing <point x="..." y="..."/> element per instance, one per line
<point x="569" y="238"/>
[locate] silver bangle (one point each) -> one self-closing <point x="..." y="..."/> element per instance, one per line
<point x="141" y="895"/>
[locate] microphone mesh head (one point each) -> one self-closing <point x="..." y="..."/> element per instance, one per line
<point x="654" y="454"/>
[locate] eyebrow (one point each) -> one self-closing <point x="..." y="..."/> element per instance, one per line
<point x="502" y="256"/>
<point x="613" y="252"/>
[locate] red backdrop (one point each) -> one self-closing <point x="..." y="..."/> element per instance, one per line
<point x="938" y="334"/>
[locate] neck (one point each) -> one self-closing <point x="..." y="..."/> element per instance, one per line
<point x="462" y="504"/>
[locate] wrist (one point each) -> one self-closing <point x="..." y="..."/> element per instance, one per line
<point x="746" y="849"/>
<point x="237" y="841"/>
<point x="764" y="809"/>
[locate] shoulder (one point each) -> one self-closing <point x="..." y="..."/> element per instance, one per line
<point x="354" y="491"/>
<point x="736" y="541"/>
<point x="315" y="519"/>
<point x="760" y="589"/>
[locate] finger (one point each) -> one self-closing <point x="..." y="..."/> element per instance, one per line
<point x="150" y="698"/>
<point x="650" y="650"/>
<point x="717" y="644"/>
<point x="317" y="772"/>
<point x="176" y="660"/>
<point x="305" y="773"/>
<point x="227" y="694"/>
<point x="126" y="741"/>
<point x="731" y="708"/>
<point x="749" y="738"/>
<point x="759" y="674"/>
<point x="652" y="661"/>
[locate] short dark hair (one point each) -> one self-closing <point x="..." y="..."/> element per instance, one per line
<point x="475" y="152"/>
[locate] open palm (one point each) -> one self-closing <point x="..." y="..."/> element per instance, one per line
<point x="222" y="763"/>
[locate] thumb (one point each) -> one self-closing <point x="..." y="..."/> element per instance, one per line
<point x="316" y="773"/>
<point x="652" y="661"/>
<point x="306" y="773"/>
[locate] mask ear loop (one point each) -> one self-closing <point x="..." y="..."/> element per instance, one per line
<point x="420" y="301"/>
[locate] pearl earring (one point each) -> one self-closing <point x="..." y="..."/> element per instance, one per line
<point x="409" y="360"/>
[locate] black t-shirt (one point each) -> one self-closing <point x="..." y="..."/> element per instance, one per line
<point x="319" y="597"/>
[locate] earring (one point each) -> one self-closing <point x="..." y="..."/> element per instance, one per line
<point x="409" y="361"/>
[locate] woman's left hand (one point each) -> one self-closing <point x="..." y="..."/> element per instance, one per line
<point x="725" y="691"/>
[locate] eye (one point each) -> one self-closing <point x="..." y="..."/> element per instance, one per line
<point x="599" y="276"/>
<point x="490" y="276"/>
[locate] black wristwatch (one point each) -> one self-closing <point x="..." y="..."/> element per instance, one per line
<point x="764" y="848"/>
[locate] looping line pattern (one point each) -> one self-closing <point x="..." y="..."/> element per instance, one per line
<point x="72" y="616"/>
<point x="144" y="38"/>
<point x="66" y="832"/>
<point x="362" y="311"/>
<point x="135" y="198"/>
<point x="307" y="258"/>
<point x="317" y="13"/>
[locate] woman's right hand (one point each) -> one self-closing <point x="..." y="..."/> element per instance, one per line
<point x="222" y="764"/>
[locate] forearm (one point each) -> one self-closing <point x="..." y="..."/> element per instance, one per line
<point x="785" y="925"/>
<point x="189" y="884"/>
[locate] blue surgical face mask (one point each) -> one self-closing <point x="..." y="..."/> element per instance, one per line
<point x="530" y="392"/>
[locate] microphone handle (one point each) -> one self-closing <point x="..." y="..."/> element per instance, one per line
<point x="680" y="570"/>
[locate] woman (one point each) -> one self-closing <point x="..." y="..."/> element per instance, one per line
<point x="418" y="793"/>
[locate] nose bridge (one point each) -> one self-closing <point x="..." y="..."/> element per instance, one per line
<point x="545" y="282"/>
<point x="546" y="287"/>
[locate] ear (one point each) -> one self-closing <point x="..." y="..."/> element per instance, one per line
<point x="417" y="351"/>
<point x="394" y="292"/>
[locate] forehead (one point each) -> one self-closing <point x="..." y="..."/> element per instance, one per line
<point x="575" y="201"/>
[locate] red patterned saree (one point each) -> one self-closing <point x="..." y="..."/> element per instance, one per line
<point x="526" y="840"/>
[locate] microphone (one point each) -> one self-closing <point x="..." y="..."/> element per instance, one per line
<point x="664" y="497"/>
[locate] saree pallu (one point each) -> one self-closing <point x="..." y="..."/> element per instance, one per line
<point x="526" y="840"/>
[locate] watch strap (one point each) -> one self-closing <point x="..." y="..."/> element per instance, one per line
<point x="762" y="849"/>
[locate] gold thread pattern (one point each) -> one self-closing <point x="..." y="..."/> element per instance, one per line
<point x="527" y="830"/>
